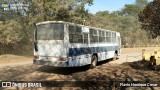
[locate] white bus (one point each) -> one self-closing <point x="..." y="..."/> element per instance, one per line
<point x="65" y="44"/>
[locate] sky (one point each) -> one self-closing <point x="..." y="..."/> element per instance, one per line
<point x="109" y="5"/>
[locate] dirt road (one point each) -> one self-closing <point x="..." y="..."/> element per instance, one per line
<point x="18" y="68"/>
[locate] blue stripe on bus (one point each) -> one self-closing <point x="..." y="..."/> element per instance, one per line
<point x="91" y="50"/>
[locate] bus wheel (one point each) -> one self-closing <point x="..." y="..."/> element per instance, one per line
<point x="115" y="56"/>
<point x="94" y="61"/>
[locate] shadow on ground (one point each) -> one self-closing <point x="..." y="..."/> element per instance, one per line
<point x="62" y="70"/>
<point x="104" y="62"/>
<point x="68" y="70"/>
<point x="142" y="65"/>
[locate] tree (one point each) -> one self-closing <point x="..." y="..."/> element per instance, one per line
<point x="65" y="10"/>
<point x="10" y="32"/>
<point x="141" y="3"/>
<point x="150" y="18"/>
<point x="134" y="9"/>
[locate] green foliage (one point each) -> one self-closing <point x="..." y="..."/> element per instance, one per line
<point x="10" y="32"/>
<point x="149" y="18"/>
<point x="65" y="10"/>
<point x="141" y="3"/>
<point x="134" y="9"/>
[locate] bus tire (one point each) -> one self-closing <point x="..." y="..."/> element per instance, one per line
<point x="93" y="61"/>
<point x="115" y="56"/>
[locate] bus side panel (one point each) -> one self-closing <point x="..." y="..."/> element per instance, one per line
<point x="82" y="55"/>
<point x="105" y="50"/>
<point x="79" y="54"/>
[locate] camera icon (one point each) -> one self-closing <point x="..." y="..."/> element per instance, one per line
<point x="6" y="84"/>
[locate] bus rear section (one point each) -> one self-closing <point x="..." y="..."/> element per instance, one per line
<point x="49" y="47"/>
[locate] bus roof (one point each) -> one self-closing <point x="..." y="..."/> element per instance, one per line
<point x="46" y="22"/>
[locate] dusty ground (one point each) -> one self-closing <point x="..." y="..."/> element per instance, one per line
<point x="11" y="60"/>
<point x="128" y="66"/>
<point x="139" y="50"/>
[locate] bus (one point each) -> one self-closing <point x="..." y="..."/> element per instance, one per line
<point x="65" y="44"/>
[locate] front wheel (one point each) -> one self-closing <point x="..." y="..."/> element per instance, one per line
<point x="93" y="61"/>
<point x="115" y="56"/>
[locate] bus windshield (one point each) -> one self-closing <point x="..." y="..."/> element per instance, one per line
<point x="51" y="31"/>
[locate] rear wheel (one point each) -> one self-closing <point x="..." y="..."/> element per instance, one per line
<point x="115" y="56"/>
<point x="93" y="61"/>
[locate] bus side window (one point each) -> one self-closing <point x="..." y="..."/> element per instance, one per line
<point x="71" y="33"/>
<point x="85" y="38"/>
<point x="119" y="41"/>
<point x="91" y="35"/>
<point x="108" y="37"/>
<point x="101" y="36"/>
<point x="95" y="36"/>
<point x="113" y="37"/>
<point x="78" y="35"/>
<point x="75" y="35"/>
<point x="78" y="30"/>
